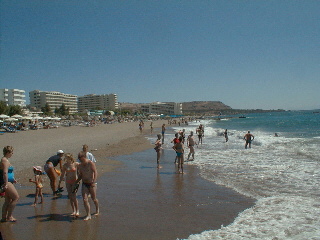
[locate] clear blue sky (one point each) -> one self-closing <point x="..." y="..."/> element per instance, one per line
<point x="247" y="54"/>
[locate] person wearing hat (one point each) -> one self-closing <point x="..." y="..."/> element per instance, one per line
<point x="37" y="170"/>
<point x="52" y="172"/>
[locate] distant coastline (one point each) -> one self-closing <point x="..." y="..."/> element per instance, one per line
<point x="205" y="108"/>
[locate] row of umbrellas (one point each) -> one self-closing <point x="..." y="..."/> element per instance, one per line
<point x="17" y="117"/>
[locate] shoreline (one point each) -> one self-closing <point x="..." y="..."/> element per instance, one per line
<point x="121" y="174"/>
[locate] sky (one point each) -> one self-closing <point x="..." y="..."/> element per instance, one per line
<point x="248" y="54"/>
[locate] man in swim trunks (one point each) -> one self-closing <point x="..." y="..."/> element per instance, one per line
<point x="191" y="143"/>
<point x="249" y="138"/>
<point x="88" y="174"/>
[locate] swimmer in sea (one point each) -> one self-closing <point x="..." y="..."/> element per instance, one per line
<point x="226" y="135"/>
<point x="249" y="138"/>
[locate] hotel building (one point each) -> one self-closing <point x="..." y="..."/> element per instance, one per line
<point x="39" y="99"/>
<point x="166" y="108"/>
<point x="13" y="97"/>
<point x="98" y="102"/>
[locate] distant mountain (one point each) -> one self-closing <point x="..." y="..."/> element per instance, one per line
<point x="204" y="107"/>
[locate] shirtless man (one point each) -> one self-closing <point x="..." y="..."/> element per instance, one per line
<point x="249" y="138"/>
<point x="191" y="143"/>
<point x="88" y="174"/>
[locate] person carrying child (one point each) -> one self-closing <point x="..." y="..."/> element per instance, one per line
<point x="37" y="170"/>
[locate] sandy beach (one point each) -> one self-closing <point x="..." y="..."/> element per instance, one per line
<point x="137" y="201"/>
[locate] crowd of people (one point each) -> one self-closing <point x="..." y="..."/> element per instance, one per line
<point x="62" y="166"/>
<point x="179" y="144"/>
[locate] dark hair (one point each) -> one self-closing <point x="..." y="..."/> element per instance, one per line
<point x="82" y="154"/>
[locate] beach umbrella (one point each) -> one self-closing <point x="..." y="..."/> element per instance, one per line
<point x="4" y="116"/>
<point x="56" y="118"/>
<point x="17" y="116"/>
<point x="11" y="119"/>
<point x="27" y="118"/>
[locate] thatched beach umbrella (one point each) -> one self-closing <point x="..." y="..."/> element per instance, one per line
<point x="3" y="116"/>
<point x="10" y="120"/>
<point x="17" y="116"/>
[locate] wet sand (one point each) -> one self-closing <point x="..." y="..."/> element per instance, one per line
<point x="137" y="201"/>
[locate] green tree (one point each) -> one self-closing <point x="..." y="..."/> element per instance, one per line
<point x="14" y="109"/>
<point x="3" y="107"/>
<point x="46" y="109"/>
<point x="62" y="110"/>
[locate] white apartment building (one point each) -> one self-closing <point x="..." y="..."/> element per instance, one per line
<point x="103" y="102"/>
<point x="39" y="99"/>
<point x="166" y="108"/>
<point x="13" y="96"/>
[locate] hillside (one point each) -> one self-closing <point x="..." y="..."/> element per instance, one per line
<point x="204" y="107"/>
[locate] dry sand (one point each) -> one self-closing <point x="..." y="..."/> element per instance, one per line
<point x="34" y="147"/>
<point x="136" y="200"/>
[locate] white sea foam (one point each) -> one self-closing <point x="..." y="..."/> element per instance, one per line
<point x="283" y="174"/>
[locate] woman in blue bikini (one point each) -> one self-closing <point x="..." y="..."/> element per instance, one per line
<point x="179" y="148"/>
<point x="6" y="182"/>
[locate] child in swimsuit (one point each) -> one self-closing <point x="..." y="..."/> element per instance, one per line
<point x="69" y="174"/>
<point x="37" y="170"/>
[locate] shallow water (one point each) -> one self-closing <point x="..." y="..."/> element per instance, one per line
<point x="282" y="173"/>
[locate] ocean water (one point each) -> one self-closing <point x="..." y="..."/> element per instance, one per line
<point x="281" y="173"/>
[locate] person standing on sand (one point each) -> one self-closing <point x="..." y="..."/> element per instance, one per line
<point x="191" y="143"/>
<point x="89" y="155"/>
<point x="69" y="174"/>
<point x="179" y="148"/>
<point x="151" y="127"/>
<point x="88" y="174"/>
<point x="174" y="141"/>
<point x="163" y="130"/>
<point x="37" y="170"/>
<point x="158" y="149"/>
<point x="249" y="138"/>
<point x="11" y="195"/>
<point x="51" y="171"/>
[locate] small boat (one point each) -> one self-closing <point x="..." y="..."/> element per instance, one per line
<point x="242" y="116"/>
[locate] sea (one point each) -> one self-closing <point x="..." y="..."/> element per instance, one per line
<point x="281" y="172"/>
